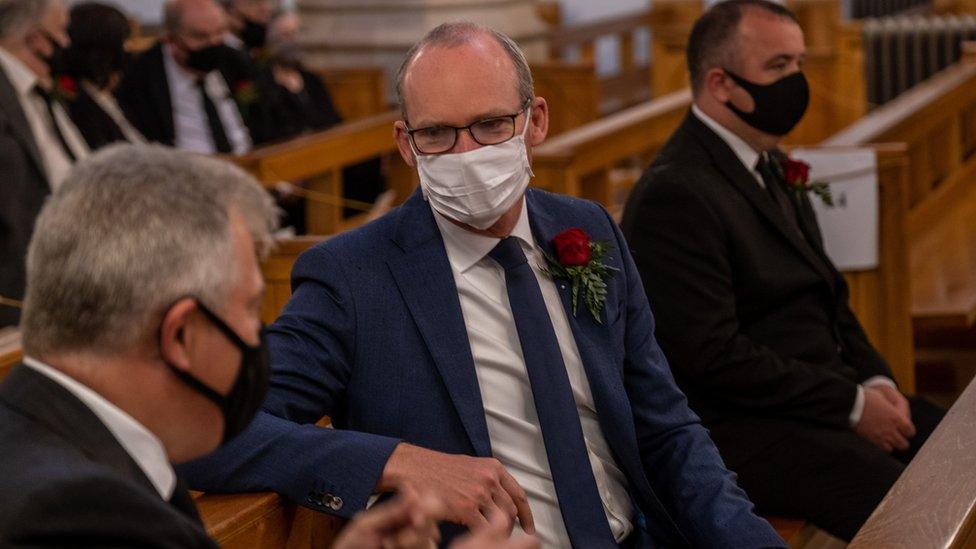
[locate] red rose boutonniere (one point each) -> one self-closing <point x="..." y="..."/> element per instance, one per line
<point x="246" y="93"/>
<point x="580" y="261"/>
<point x="797" y="175"/>
<point x="65" y="89"/>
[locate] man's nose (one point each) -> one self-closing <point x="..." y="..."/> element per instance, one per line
<point x="465" y="142"/>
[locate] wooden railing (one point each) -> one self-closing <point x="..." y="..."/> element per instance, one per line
<point x="933" y="503"/>
<point x="277" y="274"/>
<point x="356" y="92"/>
<point x="937" y="121"/>
<point x="10" y="350"/>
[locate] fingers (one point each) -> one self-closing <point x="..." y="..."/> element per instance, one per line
<point x="898" y="441"/>
<point x="504" y="502"/>
<point x="523" y="512"/>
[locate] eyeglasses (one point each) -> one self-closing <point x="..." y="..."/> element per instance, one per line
<point x="490" y="131"/>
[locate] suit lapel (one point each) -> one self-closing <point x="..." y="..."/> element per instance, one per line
<point x="164" y="103"/>
<point x="425" y="280"/>
<point x="51" y="405"/>
<point x="742" y="179"/>
<point x="595" y="345"/>
<point x="10" y="104"/>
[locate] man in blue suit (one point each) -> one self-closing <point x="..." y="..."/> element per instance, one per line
<point x="460" y="347"/>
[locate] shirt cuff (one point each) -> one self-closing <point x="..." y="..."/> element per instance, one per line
<point x="858" y="408"/>
<point x="875" y="381"/>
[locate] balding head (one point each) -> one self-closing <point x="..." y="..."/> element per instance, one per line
<point x="481" y="45"/>
<point x="178" y="15"/>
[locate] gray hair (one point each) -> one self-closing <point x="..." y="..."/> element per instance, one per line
<point x="133" y="229"/>
<point x="452" y="35"/>
<point x="17" y="16"/>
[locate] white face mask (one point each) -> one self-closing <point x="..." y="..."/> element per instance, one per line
<point x="477" y="187"/>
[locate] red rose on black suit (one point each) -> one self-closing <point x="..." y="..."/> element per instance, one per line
<point x="797" y="172"/>
<point x="572" y="247"/>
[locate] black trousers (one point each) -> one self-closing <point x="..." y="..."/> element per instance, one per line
<point x="832" y="478"/>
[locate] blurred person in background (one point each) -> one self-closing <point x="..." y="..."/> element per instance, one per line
<point x="38" y="141"/>
<point x="95" y="63"/>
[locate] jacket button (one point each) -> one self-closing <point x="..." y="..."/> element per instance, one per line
<point x="333" y="502"/>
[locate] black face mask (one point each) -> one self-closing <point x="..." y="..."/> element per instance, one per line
<point x="247" y="394"/>
<point x="55" y="61"/>
<point x="205" y="59"/>
<point x="778" y="106"/>
<point x="254" y="35"/>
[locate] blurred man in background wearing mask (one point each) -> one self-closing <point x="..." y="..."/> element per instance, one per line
<point x="752" y="314"/>
<point x="192" y="91"/>
<point x="38" y="142"/>
<point x="450" y="360"/>
<point x="249" y="21"/>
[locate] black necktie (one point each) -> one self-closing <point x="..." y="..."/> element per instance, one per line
<point x="182" y="500"/>
<point x="49" y="103"/>
<point x="774" y="185"/>
<point x="579" y="498"/>
<point x="221" y="143"/>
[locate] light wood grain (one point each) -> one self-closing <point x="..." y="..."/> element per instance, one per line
<point x="933" y="503"/>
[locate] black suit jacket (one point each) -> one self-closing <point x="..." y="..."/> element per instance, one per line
<point x="95" y="125"/>
<point x="67" y="481"/>
<point x="752" y="315"/>
<point x="23" y="188"/>
<point x="144" y="97"/>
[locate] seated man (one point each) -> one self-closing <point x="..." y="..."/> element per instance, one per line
<point x="141" y="338"/>
<point x="451" y="357"/>
<point x="143" y="347"/>
<point x="38" y="142"/>
<point x="751" y="312"/>
<point x="193" y="92"/>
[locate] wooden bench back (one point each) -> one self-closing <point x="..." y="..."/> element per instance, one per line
<point x="10" y="350"/>
<point x="933" y="503"/>
<point x="357" y="92"/>
<point x="277" y="273"/>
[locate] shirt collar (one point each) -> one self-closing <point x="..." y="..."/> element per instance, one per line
<point x="144" y="447"/>
<point x="746" y="154"/>
<point x="22" y="78"/>
<point x="465" y="248"/>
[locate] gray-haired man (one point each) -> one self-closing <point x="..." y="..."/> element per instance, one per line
<point x="38" y="142"/>
<point x="141" y="332"/>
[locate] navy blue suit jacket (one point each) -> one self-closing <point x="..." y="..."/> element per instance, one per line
<point x="374" y="338"/>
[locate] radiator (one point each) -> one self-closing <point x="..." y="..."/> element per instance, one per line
<point x="900" y="52"/>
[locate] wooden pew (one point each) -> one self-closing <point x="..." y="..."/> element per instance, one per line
<point x="937" y="121"/>
<point x="10" y="351"/>
<point x="572" y="91"/>
<point x="933" y="503"/>
<point x="265" y="520"/>
<point x="357" y="92"/>
<point x="319" y="159"/>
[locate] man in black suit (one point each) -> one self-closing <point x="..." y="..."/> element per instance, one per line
<point x="192" y="91"/>
<point x="752" y="314"/>
<point x="38" y="142"/>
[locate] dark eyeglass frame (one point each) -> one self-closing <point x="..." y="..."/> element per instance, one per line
<point x="457" y="130"/>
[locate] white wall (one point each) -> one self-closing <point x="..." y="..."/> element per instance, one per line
<point x="149" y="12"/>
<point x="582" y="11"/>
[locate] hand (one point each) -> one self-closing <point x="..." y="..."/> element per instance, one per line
<point x="883" y="423"/>
<point x="495" y="535"/>
<point x="898" y="400"/>
<point x="407" y="522"/>
<point x="471" y="488"/>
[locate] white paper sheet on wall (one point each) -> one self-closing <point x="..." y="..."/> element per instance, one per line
<point x="851" y="227"/>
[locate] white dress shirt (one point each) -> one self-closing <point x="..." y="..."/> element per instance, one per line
<point x="189" y="117"/>
<point x="146" y="450"/>
<point x="750" y="158"/>
<point x="56" y="161"/>
<point x="110" y="106"/>
<point x="513" y="426"/>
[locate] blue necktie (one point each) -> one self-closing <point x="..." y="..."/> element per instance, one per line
<point x="579" y="498"/>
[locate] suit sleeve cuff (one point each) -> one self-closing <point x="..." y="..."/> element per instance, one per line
<point x="858" y="408"/>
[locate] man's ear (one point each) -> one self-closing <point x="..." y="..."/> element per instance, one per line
<point x="403" y="142"/>
<point x="539" y="123"/>
<point x="176" y="334"/>
<point x="718" y="84"/>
